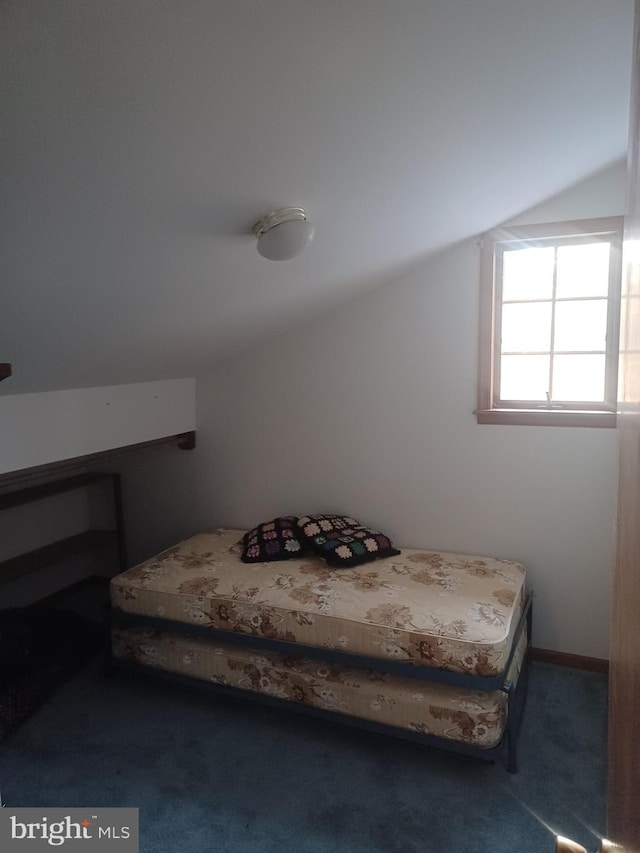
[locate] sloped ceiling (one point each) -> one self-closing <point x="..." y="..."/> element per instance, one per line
<point x="143" y="138"/>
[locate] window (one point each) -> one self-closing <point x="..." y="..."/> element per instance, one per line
<point x="550" y="304"/>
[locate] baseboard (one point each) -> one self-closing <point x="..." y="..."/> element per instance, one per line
<point x="576" y="661"/>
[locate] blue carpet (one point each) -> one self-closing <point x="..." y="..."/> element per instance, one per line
<point x="214" y="774"/>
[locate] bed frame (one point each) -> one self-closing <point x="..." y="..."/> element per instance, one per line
<point x="516" y="694"/>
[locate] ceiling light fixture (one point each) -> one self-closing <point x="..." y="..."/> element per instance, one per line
<point x="283" y="233"/>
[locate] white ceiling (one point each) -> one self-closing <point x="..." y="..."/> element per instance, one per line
<point x="141" y="140"/>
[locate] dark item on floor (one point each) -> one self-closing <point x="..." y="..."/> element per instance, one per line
<point x="40" y="648"/>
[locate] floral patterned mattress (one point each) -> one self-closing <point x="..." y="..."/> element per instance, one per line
<point x="427" y="608"/>
<point x="476" y="717"/>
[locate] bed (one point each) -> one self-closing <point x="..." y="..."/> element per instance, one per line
<point x="423" y="645"/>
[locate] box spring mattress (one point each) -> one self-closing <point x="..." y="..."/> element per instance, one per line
<point x="472" y="716"/>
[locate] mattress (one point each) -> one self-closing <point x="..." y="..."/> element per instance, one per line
<point x="473" y="717"/>
<point x="427" y="608"/>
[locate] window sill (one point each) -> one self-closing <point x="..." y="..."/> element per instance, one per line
<point x="545" y="417"/>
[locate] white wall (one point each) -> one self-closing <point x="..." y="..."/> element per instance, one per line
<point x="41" y="428"/>
<point x="159" y="496"/>
<point x="368" y="411"/>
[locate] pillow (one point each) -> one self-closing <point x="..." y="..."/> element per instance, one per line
<point x="343" y="541"/>
<point x="279" y="539"/>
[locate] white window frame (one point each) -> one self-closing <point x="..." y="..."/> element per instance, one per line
<point x="492" y="410"/>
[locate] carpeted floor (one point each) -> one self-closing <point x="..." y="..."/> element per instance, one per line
<point x="212" y="774"/>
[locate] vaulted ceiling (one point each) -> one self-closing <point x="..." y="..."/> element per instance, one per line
<point x="142" y="139"/>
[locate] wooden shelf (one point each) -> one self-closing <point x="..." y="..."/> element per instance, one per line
<point x="46" y="490"/>
<point x="40" y="558"/>
<point x="78" y="464"/>
<point x="32" y="561"/>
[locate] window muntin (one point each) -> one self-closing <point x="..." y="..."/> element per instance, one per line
<point x="549" y="331"/>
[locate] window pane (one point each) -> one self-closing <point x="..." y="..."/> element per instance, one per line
<point x="581" y="325"/>
<point x="524" y="377"/>
<point x="527" y="273"/>
<point x="579" y="377"/>
<point x="526" y="327"/>
<point x="583" y="270"/>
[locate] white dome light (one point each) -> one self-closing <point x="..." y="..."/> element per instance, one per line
<point x="283" y="233"/>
